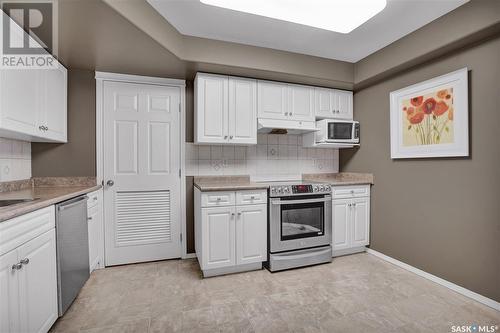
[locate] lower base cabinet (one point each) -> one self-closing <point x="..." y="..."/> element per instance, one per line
<point x="230" y="237"/>
<point x="28" y="275"/>
<point x="350" y="219"/>
<point x="96" y="230"/>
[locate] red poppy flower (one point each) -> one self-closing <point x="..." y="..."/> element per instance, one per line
<point x="417" y="118"/>
<point x="410" y="110"/>
<point x="441" y="107"/>
<point x="429" y="105"/>
<point x="416" y="101"/>
<point x="442" y="93"/>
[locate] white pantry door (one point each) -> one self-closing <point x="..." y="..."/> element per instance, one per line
<point x="141" y="172"/>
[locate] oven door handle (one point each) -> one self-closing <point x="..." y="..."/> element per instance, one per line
<point x="291" y="202"/>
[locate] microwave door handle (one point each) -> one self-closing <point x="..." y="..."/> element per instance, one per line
<point x="291" y="202"/>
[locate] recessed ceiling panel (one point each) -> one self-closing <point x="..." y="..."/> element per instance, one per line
<point x="397" y="19"/>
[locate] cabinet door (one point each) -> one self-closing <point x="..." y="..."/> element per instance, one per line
<point x="20" y="98"/>
<point x="38" y="283"/>
<point x="272" y="100"/>
<point x="324" y="100"/>
<point x="211" y="108"/>
<point x="344" y="104"/>
<point x="242" y="111"/>
<point x="300" y="102"/>
<point x="9" y="291"/>
<point x="54" y="111"/>
<point x="218" y="242"/>
<point x="94" y="236"/>
<point x="251" y="234"/>
<point x="341" y="213"/>
<point x="360" y="226"/>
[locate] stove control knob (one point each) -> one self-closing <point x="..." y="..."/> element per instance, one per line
<point x="327" y="188"/>
<point x="286" y="190"/>
<point x="278" y="190"/>
<point x="321" y="188"/>
<point x="315" y="188"/>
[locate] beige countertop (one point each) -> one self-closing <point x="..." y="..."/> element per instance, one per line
<point x="229" y="183"/>
<point x="235" y="183"/>
<point x="341" y="178"/>
<point x="44" y="196"/>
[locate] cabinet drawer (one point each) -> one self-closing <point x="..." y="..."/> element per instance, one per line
<point x="19" y="230"/>
<point x="93" y="199"/>
<point x="342" y="192"/>
<point x="214" y="199"/>
<point x="251" y="197"/>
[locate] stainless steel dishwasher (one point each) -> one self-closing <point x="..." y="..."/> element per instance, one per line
<point x="72" y="250"/>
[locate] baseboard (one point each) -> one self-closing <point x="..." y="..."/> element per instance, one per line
<point x="461" y="290"/>
<point x="190" y="256"/>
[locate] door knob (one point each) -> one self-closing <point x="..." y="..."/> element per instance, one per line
<point x="17" y="266"/>
<point x="25" y="261"/>
<point x="110" y="183"/>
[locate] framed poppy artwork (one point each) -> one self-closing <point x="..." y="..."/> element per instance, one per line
<point x="431" y="118"/>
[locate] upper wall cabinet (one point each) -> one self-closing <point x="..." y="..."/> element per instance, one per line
<point x="331" y="103"/>
<point x="33" y="102"/>
<point x="281" y="101"/>
<point x="225" y="109"/>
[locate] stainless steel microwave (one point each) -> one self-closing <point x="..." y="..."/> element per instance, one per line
<point x="337" y="131"/>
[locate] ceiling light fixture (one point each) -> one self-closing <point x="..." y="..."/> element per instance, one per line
<point x="335" y="15"/>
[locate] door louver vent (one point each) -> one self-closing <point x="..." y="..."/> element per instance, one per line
<point x="142" y="217"/>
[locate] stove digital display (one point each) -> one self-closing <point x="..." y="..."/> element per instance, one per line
<point x="302" y="188"/>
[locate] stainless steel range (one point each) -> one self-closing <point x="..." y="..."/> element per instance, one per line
<point x="300" y="227"/>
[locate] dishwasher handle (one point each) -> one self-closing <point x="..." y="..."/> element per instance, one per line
<point x="72" y="202"/>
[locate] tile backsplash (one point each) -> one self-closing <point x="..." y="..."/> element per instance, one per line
<point x="15" y="160"/>
<point x="274" y="157"/>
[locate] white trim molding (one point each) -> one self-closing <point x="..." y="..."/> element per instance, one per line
<point x="461" y="290"/>
<point x="101" y="77"/>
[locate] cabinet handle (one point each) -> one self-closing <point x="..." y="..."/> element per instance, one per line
<point x="354" y="204"/>
<point x="219" y="199"/>
<point x="232" y="214"/>
<point x="252" y="197"/>
<point x="25" y="261"/>
<point x="225" y="137"/>
<point x="89" y="218"/>
<point x="286" y="113"/>
<point x="290" y="113"/>
<point x="17" y="266"/>
<point x="231" y="137"/>
<point x="239" y="213"/>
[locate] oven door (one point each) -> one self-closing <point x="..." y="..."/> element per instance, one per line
<point x="300" y="222"/>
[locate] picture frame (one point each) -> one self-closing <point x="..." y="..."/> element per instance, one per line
<point x="431" y="118"/>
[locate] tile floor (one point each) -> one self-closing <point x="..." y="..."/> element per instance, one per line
<point x="357" y="293"/>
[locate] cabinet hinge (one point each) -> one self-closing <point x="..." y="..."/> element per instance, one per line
<point x="179" y="107"/>
<point x="179" y="173"/>
<point x="181" y="237"/>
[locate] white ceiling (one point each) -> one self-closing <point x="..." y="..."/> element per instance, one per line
<point x="399" y="18"/>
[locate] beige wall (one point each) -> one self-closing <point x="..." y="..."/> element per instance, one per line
<point x="77" y="157"/>
<point x="441" y="215"/>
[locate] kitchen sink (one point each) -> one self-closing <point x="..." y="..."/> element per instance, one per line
<point x="10" y="202"/>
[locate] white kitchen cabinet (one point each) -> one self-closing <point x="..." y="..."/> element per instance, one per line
<point x="28" y="275"/>
<point x="95" y="230"/>
<point x="272" y="100"/>
<point x="230" y="237"/>
<point x="38" y="283"/>
<point x="9" y="289"/>
<point x="350" y="219"/>
<point x="360" y="222"/>
<point x="218" y="245"/>
<point x="225" y="110"/>
<point x="333" y="103"/>
<point x="242" y="111"/>
<point x="281" y="101"/>
<point x="300" y="102"/>
<point x="251" y="231"/>
<point x="33" y="103"/>
<point x="341" y="213"/>
<point x="53" y="114"/>
<point x="211" y="108"/>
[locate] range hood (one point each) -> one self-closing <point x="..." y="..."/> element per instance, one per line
<point x="285" y="126"/>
